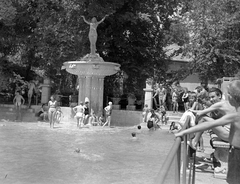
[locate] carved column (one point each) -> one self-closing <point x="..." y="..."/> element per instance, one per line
<point x="100" y="95"/>
<point x="148" y="94"/>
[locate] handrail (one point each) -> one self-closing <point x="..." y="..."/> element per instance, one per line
<point x="167" y="163"/>
<point x="175" y="154"/>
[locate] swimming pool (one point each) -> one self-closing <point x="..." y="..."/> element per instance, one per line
<point x="33" y="153"/>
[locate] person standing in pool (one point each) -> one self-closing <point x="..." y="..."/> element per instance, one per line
<point x="86" y="112"/>
<point x="108" y="112"/>
<point x="18" y="101"/>
<point x="162" y="94"/>
<point x="79" y="110"/>
<point x="52" y="104"/>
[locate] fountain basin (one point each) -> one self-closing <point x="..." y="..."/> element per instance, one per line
<point x="93" y="68"/>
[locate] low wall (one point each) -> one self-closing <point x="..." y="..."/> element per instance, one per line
<point x="126" y="118"/>
<point x="119" y="117"/>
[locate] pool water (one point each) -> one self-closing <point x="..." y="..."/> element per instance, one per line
<point x="34" y="153"/>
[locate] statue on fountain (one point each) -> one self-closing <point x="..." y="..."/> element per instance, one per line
<point x="93" y="38"/>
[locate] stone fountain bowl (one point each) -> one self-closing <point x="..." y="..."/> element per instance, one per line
<point x="92" y="68"/>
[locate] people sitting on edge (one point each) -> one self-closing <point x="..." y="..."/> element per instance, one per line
<point x="153" y="121"/>
<point x="193" y="105"/>
<point x="43" y="113"/>
<point x="218" y="109"/>
<point x="232" y="118"/>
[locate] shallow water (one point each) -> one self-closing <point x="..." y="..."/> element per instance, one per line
<point x="33" y="153"/>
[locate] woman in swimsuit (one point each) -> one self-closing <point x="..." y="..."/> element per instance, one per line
<point x="52" y="104"/>
<point x="79" y="110"/>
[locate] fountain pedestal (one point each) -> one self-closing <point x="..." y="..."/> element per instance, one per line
<point x="148" y="94"/>
<point x="91" y="71"/>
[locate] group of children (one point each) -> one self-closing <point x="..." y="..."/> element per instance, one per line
<point x="85" y="117"/>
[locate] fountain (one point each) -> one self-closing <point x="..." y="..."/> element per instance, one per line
<point x="91" y="70"/>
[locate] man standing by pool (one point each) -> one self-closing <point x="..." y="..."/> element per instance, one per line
<point x="162" y="94"/>
<point x="108" y="111"/>
<point x="18" y="101"/>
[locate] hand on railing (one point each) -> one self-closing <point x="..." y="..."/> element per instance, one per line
<point x="179" y="134"/>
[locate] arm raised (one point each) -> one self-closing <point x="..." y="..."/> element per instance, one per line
<point x="102" y="19"/>
<point x="85" y="20"/>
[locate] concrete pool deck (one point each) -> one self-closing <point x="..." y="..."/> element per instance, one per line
<point x="34" y="153"/>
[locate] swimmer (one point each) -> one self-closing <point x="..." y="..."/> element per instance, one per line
<point x="134" y="136"/>
<point x="173" y="127"/>
<point x="77" y="150"/>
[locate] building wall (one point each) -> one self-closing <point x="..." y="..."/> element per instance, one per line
<point x="191" y="81"/>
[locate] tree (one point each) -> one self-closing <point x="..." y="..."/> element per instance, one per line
<point x="214" y="45"/>
<point x="50" y="32"/>
<point x="7" y="12"/>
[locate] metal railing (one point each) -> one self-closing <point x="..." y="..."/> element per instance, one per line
<point x="182" y="158"/>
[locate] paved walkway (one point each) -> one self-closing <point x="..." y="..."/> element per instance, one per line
<point x="204" y="173"/>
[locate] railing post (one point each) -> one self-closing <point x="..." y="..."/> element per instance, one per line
<point x="194" y="168"/>
<point x="178" y="165"/>
<point x="175" y="155"/>
<point x="184" y="159"/>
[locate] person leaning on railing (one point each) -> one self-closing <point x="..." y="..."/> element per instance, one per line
<point x="218" y="109"/>
<point x="233" y="176"/>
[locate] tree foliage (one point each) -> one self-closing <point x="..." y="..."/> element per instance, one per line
<point x="214" y="44"/>
<point x="47" y="33"/>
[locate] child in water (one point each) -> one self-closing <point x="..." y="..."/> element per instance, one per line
<point x="58" y="115"/>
